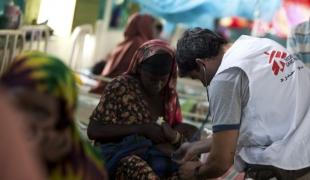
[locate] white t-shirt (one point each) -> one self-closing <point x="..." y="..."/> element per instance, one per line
<point x="275" y="121"/>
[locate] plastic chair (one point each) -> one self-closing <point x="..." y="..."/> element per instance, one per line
<point x="78" y="41"/>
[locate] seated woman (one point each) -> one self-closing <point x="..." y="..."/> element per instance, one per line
<point x="45" y="92"/>
<point x="140" y="28"/>
<point x="124" y="122"/>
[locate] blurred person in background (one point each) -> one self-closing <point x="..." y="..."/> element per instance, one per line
<point x="17" y="157"/>
<point x="11" y="17"/>
<point x="140" y="28"/>
<point x="259" y="104"/>
<point x="124" y="122"/>
<point x="298" y="42"/>
<point x="44" y="90"/>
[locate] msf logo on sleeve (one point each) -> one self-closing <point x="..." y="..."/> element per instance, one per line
<point x="277" y="61"/>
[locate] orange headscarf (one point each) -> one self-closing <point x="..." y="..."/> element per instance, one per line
<point x="138" y="30"/>
<point x="172" y="107"/>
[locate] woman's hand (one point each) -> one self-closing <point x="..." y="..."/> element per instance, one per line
<point x="170" y="134"/>
<point x="154" y="133"/>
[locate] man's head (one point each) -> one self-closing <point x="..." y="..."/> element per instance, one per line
<point x="199" y="53"/>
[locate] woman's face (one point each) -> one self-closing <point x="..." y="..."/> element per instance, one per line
<point x="41" y="113"/>
<point x="153" y="84"/>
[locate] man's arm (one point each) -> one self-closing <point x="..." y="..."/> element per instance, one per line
<point x="222" y="154"/>
<point x="229" y="94"/>
<point x="220" y="159"/>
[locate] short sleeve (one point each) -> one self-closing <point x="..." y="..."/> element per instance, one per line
<point x="229" y="93"/>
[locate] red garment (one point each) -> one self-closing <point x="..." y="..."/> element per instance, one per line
<point x="172" y="107"/>
<point x="138" y="30"/>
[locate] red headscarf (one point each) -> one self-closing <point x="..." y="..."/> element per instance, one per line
<point x="172" y="107"/>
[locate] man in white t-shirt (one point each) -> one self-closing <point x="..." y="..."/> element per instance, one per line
<point x="259" y="104"/>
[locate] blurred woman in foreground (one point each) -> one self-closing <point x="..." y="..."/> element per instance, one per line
<point x="17" y="158"/>
<point x="44" y="90"/>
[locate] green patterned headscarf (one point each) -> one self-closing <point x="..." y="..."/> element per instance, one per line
<point x="48" y="75"/>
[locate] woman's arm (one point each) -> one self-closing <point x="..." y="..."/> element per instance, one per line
<point x="113" y="133"/>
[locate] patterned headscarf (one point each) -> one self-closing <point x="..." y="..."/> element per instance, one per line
<point x="48" y="75"/>
<point x="172" y="107"/>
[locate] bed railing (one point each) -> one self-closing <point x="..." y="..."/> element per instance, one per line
<point x="11" y="44"/>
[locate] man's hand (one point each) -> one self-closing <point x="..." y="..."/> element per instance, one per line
<point x="187" y="170"/>
<point x="186" y="152"/>
<point x="189" y="151"/>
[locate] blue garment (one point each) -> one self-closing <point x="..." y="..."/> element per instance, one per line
<point x="161" y="164"/>
<point x="203" y="12"/>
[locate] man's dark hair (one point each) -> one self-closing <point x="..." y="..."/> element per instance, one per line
<point x="197" y="43"/>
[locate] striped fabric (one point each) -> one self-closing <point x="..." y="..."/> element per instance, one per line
<point x="298" y="42"/>
<point x="231" y="174"/>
